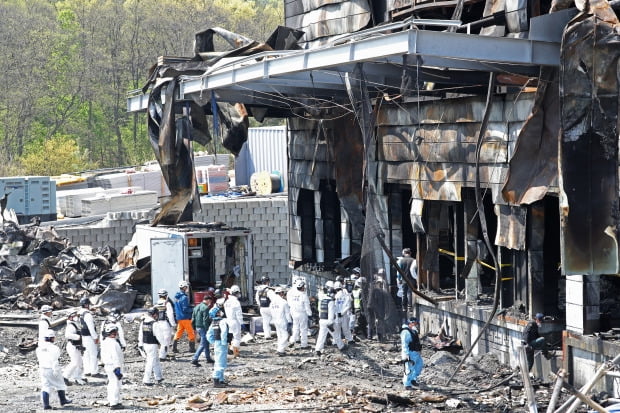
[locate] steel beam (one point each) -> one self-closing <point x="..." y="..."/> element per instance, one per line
<point x="319" y="68"/>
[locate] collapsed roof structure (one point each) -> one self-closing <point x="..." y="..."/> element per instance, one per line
<point x="482" y="135"/>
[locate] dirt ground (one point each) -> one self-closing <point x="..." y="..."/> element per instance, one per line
<point x="366" y="377"/>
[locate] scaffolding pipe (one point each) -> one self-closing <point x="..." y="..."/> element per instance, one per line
<point x="588" y="386"/>
<point x="527" y="385"/>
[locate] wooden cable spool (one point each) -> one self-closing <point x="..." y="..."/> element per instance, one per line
<point x="265" y="183"/>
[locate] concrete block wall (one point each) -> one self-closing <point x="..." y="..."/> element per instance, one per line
<point x="115" y="230"/>
<point x="267" y="218"/>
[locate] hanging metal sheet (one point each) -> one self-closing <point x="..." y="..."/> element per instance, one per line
<point x="511" y="221"/>
<point x="533" y="167"/>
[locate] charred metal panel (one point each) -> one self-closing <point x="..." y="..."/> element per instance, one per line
<point x="533" y="167"/>
<point x="443" y="143"/>
<point x="345" y="140"/>
<point x="589" y="141"/>
<point x="511" y="225"/>
<point x="433" y="146"/>
<point x="323" y="19"/>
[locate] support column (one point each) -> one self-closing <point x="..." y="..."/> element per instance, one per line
<point x="583" y="303"/>
<point x="470" y="271"/>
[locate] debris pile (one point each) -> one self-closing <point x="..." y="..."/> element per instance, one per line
<point x="39" y="267"/>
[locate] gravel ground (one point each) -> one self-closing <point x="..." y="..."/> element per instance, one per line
<point x="367" y="377"/>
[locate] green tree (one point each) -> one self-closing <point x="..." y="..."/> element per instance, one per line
<point x="55" y="156"/>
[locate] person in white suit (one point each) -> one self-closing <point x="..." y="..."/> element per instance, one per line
<point x="299" y="304"/>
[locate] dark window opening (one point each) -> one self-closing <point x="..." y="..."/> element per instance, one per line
<point x="552" y="258"/>
<point x="202" y="266"/>
<point x="305" y="210"/>
<point x="330" y="214"/>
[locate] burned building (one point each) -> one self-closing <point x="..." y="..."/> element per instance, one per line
<point x="480" y="134"/>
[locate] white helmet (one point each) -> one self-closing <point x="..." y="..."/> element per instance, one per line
<point x="110" y="328"/>
<point x="46" y="309"/>
<point x="300" y="283"/>
<point x="329" y="284"/>
<point x="235" y="289"/>
<point x="163" y="292"/>
<point x="49" y="334"/>
<point x="183" y="284"/>
<point x="337" y="285"/>
<point x="279" y="290"/>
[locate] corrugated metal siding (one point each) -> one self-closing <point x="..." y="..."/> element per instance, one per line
<point x="265" y="150"/>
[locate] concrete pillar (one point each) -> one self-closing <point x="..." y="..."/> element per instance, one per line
<point x="583" y="303"/>
<point x="472" y="282"/>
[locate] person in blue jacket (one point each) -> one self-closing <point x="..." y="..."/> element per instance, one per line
<point x="410" y="353"/>
<point x="218" y="336"/>
<point x="183" y="314"/>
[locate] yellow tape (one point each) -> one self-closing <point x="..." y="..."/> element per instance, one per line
<point x="484" y="264"/>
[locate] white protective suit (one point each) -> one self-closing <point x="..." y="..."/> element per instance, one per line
<point x="281" y="314"/>
<point x="74" y="370"/>
<point x="49" y="367"/>
<point x="234" y="317"/>
<point x="89" y="341"/>
<point x="265" y="311"/>
<point x="112" y="358"/>
<point x="147" y="339"/>
<point x="343" y="314"/>
<point x="45" y="324"/>
<point x="299" y="304"/>
<point x="326" y="321"/>
<point x="165" y="326"/>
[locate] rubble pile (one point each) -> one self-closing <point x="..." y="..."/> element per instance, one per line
<point x="38" y="267"/>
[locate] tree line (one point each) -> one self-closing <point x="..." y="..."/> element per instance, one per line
<point x="66" y="67"/>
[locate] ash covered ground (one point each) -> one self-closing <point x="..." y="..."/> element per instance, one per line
<point x="366" y="377"/>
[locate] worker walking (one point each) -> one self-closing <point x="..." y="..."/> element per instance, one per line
<point x="49" y="370"/>
<point x="45" y="322"/>
<point x="165" y="324"/>
<point x="74" y="370"/>
<point x="263" y="301"/>
<point x="411" y="347"/>
<point x="148" y="343"/>
<point x="90" y="340"/>
<point x="281" y="314"/>
<point x="201" y="322"/>
<point x="217" y="334"/>
<point x="183" y="315"/>
<point x="326" y="321"/>
<point x="234" y="317"/>
<point x="113" y="361"/>
<point x="299" y="303"/>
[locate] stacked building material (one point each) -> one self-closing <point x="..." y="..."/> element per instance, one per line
<point x="217" y="179"/>
<point x="119" y="201"/>
<point x="69" y="202"/>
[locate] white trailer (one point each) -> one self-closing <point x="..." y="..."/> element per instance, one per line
<point x="205" y="255"/>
